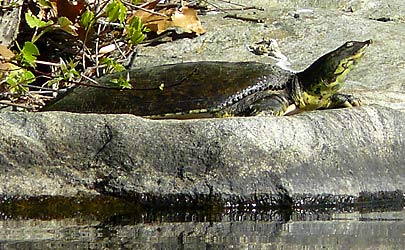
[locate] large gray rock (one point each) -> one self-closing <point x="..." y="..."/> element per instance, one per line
<point x="329" y="156"/>
<point x="257" y="161"/>
<point x="10" y="14"/>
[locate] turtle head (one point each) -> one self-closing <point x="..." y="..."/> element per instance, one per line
<point x="330" y="71"/>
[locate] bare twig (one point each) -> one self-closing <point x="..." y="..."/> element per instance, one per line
<point x="47" y="63"/>
<point x="141" y="7"/>
<point x="249" y="19"/>
<point x="117" y="45"/>
<point x="97" y="46"/>
<point x="103" y="22"/>
<point x="90" y="79"/>
<point x="41" y="88"/>
<point x="9" y="103"/>
<point x="242" y="7"/>
<point x="46" y="92"/>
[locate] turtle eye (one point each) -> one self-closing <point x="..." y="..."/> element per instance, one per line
<point x="349" y="44"/>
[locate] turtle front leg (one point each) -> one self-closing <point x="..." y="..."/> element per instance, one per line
<point x="343" y="101"/>
<point x="274" y="104"/>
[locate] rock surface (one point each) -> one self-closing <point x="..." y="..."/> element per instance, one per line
<point x="345" y="155"/>
<point x="257" y="161"/>
<point x="10" y="13"/>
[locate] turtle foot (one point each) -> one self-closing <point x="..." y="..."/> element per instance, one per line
<point x="344" y="101"/>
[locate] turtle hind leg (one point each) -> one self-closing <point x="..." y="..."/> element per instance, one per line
<point x="274" y="104"/>
<point x="343" y="101"/>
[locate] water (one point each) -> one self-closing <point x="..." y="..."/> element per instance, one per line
<point x="225" y="230"/>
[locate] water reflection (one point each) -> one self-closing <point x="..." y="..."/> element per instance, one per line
<point x="229" y="230"/>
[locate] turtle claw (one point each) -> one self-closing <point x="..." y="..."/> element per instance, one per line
<point x="352" y="101"/>
<point x="344" y="101"/>
<point x="355" y="102"/>
<point x="267" y="113"/>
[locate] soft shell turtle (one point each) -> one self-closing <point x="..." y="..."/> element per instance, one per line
<point x="219" y="89"/>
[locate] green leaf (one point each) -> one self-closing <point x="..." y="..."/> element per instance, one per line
<point x="35" y="22"/>
<point x="30" y="48"/>
<point x="69" y="71"/>
<point x="45" y="3"/>
<point x="12" y="79"/>
<point x="112" y="66"/>
<point x="18" y="79"/>
<point x="66" y="25"/>
<point x="87" y="19"/>
<point x="28" y="77"/>
<point x="29" y="53"/>
<point x="135" y="30"/>
<point x="116" y="10"/>
<point x="121" y="82"/>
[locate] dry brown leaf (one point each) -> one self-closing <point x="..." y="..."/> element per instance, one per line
<point x="151" y="20"/>
<point x="6" y="53"/>
<point x="69" y="9"/>
<point x="145" y="15"/>
<point x="4" y="67"/>
<point x="185" y="18"/>
<point x="159" y="23"/>
<point x="72" y="11"/>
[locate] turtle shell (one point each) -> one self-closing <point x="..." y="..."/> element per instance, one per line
<point x="176" y="88"/>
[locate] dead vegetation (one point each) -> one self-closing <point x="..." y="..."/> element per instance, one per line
<point x="63" y="43"/>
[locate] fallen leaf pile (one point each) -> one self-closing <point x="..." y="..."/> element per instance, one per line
<point x="86" y="36"/>
<point x="5" y="55"/>
<point x="163" y="19"/>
